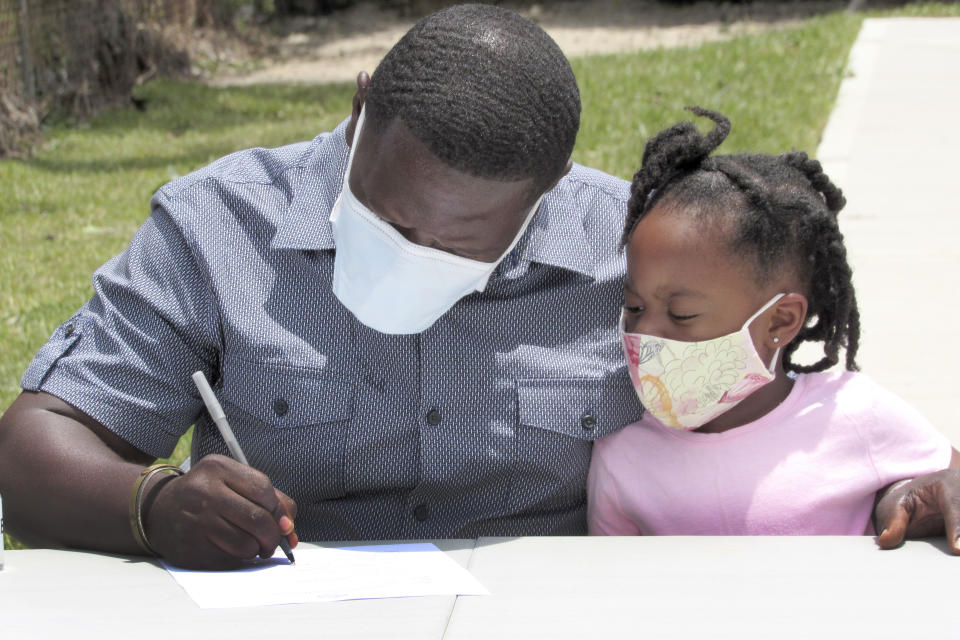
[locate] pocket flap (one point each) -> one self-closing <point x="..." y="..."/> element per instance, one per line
<point x="286" y="396"/>
<point x="586" y="408"/>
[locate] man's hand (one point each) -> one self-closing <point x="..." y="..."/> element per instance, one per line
<point x="925" y="506"/>
<point x="217" y="515"/>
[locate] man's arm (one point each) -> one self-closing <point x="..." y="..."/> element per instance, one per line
<point x="925" y="506"/>
<point x="66" y="481"/>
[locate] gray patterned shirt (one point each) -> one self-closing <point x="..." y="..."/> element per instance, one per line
<point x="481" y="425"/>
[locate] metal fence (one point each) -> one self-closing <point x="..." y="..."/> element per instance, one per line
<point x="78" y="55"/>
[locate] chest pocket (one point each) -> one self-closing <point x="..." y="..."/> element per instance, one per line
<point x="292" y="423"/>
<point x="558" y="419"/>
<point x="583" y="408"/>
<point x="285" y="397"/>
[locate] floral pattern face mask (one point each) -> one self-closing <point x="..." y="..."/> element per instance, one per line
<point x="687" y="384"/>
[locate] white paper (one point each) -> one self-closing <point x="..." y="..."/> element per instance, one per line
<point x="324" y="575"/>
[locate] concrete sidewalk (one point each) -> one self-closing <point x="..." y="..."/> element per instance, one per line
<point x="892" y="145"/>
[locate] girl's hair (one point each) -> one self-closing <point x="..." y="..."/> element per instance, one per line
<point x="776" y="212"/>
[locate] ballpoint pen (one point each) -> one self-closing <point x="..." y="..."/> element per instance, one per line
<point x="220" y="419"/>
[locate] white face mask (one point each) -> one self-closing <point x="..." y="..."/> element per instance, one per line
<point x="687" y="384"/>
<point x="389" y="283"/>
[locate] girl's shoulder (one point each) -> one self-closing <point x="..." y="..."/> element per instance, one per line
<point x="848" y="383"/>
<point x="853" y="393"/>
<point x="900" y="442"/>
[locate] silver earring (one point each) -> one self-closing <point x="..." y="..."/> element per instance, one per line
<point x="776" y="340"/>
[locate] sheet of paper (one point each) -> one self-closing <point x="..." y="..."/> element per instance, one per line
<point x="323" y="575"/>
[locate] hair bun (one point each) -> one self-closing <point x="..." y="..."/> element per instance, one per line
<point x="716" y="137"/>
<point x="675" y="152"/>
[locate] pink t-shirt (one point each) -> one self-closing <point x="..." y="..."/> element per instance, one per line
<point x="811" y="466"/>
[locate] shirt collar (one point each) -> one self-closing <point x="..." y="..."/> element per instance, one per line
<point x="555" y="237"/>
<point x="306" y="225"/>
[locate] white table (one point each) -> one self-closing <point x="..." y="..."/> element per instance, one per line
<point x="812" y="588"/>
<point x="72" y="595"/>
<point x="667" y="587"/>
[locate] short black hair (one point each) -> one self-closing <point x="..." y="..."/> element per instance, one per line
<point x="776" y="212"/>
<point x="486" y="90"/>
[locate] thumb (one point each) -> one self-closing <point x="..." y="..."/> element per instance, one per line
<point x="892" y="527"/>
<point x="285" y="512"/>
<point x="288" y="505"/>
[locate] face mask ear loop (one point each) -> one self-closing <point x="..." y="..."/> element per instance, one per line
<point x="773" y="300"/>
<point x="353" y="147"/>
<point x="523" y="229"/>
<point x="773" y="361"/>
<point x="526" y="223"/>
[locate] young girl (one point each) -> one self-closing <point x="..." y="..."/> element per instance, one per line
<point x="732" y="262"/>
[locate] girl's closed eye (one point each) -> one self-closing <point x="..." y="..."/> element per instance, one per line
<point x="682" y="317"/>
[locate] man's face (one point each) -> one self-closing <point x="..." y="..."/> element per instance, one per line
<point x="433" y="205"/>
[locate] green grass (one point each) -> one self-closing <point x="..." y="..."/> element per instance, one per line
<point x="79" y="199"/>
<point x="777" y="88"/>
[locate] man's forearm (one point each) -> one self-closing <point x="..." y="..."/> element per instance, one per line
<point x="62" y="485"/>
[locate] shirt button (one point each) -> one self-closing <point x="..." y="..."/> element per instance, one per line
<point x="433" y="417"/>
<point x="588" y="421"/>
<point x="421" y="512"/>
<point x="68" y="330"/>
<point x="280" y="406"/>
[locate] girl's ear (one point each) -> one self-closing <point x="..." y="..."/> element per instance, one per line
<point x="786" y="320"/>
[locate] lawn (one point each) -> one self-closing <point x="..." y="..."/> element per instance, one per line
<point x="77" y="201"/>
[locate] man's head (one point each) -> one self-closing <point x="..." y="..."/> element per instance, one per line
<point x="468" y="119"/>
<point x="485" y="90"/>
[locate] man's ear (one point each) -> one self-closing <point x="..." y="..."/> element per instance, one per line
<point x="786" y="320"/>
<point x="363" y="83"/>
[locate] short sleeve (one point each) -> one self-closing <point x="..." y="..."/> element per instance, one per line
<point x="605" y="517"/>
<point x="901" y="442"/>
<point x="125" y="358"/>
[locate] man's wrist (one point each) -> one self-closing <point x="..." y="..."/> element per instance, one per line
<point x="142" y="496"/>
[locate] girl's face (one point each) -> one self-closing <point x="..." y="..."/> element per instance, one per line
<point x="684" y="284"/>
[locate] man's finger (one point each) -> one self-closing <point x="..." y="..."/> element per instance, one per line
<point x="950" y="508"/>
<point x="289" y="504"/>
<point x="267" y="512"/>
<point x="255" y="522"/>
<point x="893" y="529"/>
<point x="252" y="485"/>
<point x="233" y="542"/>
<point x="285" y="513"/>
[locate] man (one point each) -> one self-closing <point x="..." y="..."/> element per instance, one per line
<point x="410" y="322"/>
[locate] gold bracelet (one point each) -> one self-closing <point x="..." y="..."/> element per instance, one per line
<point x="136" y="503"/>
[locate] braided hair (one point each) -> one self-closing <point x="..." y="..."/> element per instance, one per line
<point x="777" y="212"/>
<point x="486" y="90"/>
